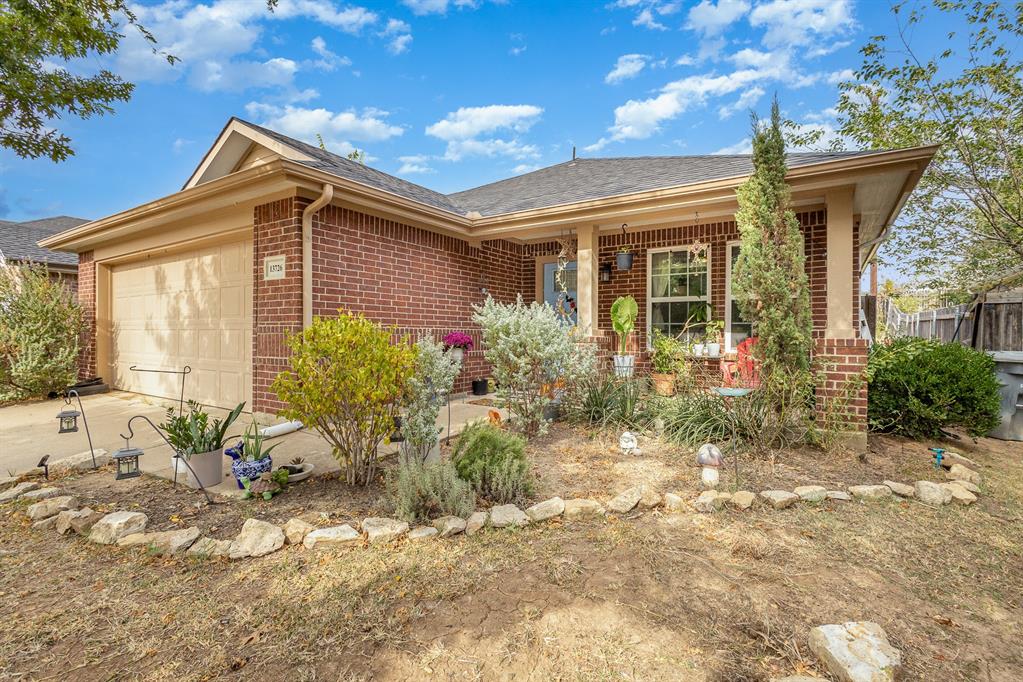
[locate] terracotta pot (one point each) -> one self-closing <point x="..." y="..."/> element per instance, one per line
<point x="207" y="468"/>
<point x="664" y="384"/>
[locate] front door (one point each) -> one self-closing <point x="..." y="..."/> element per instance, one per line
<point x="562" y="300"/>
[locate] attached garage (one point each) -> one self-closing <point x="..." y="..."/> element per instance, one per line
<point x="192" y="308"/>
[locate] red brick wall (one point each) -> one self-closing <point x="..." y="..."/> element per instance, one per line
<point x="843" y="392"/>
<point x="87" y="300"/>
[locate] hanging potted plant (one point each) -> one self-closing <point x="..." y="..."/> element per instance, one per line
<point x="624" y="312"/>
<point x="624" y="256"/>
<point x="664" y="362"/>
<point x="714" y="330"/>
<point x="457" y="343"/>
<point x="200" y="440"/>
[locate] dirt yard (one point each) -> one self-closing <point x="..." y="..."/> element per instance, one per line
<point x="724" y="596"/>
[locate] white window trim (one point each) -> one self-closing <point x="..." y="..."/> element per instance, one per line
<point x="729" y="346"/>
<point x="672" y="299"/>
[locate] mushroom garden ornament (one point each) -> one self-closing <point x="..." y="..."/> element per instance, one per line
<point x="710" y="459"/>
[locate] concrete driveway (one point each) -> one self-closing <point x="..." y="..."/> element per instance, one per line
<point x="29" y="430"/>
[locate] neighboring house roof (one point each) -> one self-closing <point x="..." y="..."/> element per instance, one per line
<point x="18" y="241"/>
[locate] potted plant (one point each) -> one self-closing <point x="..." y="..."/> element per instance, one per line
<point x="624" y="257"/>
<point x="298" y="469"/>
<point x="699" y="315"/>
<point x="624" y="312"/>
<point x="664" y="362"/>
<point x="480" y="386"/>
<point x="457" y="343"/>
<point x="249" y="459"/>
<point x="714" y="330"/>
<point x="200" y="440"/>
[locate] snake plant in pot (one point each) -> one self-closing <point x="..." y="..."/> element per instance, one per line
<point x="200" y="440"/>
<point x="624" y="312"/>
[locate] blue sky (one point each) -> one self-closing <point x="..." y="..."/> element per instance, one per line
<point x="448" y="93"/>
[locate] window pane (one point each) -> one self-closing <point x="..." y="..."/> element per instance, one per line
<point x="698" y="285"/>
<point x="659" y="264"/>
<point x="659" y="315"/>
<point x="679" y="262"/>
<point x="736" y="314"/>
<point x="659" y="286"/>
<point x="678" y="312"/>
<point x="678" y="286"/>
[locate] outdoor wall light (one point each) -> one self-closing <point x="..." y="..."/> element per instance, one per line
<point x="605" y="272"/>
<point x="68" y="421"/>
<point x="127" y="461"/>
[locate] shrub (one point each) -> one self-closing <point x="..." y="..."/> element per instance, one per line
<point x="432" y="381"/>
<point x="347" y="382"/>
<point x="918" y="388"/>
<point x="493" y="461"/>
<point x="40" y="323"/>
<point x="606" y="401"/>
<point x="530" y="348"/>
<point x="421" y="492"/>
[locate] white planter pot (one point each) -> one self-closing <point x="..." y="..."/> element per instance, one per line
<point x="458" y="354"/>
<point x="624" y="365"/>
<point x="178" y="465"/>
<point x="713" y="349"/>
<point x="698" y="349"/>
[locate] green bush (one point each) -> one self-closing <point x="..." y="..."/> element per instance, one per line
<point x="494" y="462"/>
<point x="40" y="323"/>
<point x="421" y="492"/>
<point x="918" y="388"/>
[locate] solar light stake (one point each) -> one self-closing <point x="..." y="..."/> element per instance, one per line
<point x="139" y="451"/>
<point x="68" y="420"/>
<point x="127" y="461"/>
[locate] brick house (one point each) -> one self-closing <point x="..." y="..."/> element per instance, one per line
<point x="19" y="246"/>
<point x="213" y="276"/>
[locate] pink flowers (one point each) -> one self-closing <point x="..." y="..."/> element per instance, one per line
<point x="458" y="340"/>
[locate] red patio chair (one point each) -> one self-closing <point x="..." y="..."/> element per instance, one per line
<point x="744" y="371"/>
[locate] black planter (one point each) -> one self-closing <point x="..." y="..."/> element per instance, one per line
<point x="480" y="386"/>
<point x="624" y="260"/>
<point x="396" y="437"/>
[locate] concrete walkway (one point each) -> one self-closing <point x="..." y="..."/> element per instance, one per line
<point x="29" y="430"/>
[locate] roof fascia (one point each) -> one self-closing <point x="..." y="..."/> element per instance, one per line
<point x="236" y="126"/>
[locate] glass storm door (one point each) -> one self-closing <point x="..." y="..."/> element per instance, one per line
<point x="562" y="301"/>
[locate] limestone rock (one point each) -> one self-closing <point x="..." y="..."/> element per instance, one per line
<point x="811" y="493"/>
<point x="932" y="493"/>
<point x="856" y="652"/>
<point x="710" y="501"/>
<point x="208" y="548"/>
<point x="582" y="506"/>
<point x="779" y="499"/>
<point x="46" y="524"/>
<point x="839" y="496"/>
<point x="972" y="487"/>
<point x="116" y="525"/>
<point x="626" y="500"/>
<point x="960" y="495"/>
<point x="41" y="494"/>
<point x="8" y="482"/>
<point x="901" y="489"/>
<point x="950" y="458"/>
<point x="80" y="462"/>
<point x="65" y="520"/>
<point x="870" y="492"/>
<point x="795" y="678"/>
<point x="649" y="498"/>
<point x="379" y="530"/>
<point x="547" y="509"/>
<point x="957" y="472"/>
<point x="475" y="522"/>
<point x="18" y="490"/>
<point x="743" y="499"/>
<point x="256" y="538"/>
<point x="422" y="533"/>
<point x="51" y="507"/>
<point x="507" y="515"/>
<point x="164" y="543"/>
<point x="449" y="525"/>
<point x="673" y="502"/>
<point x="295" y="530"/>
<point x="328" y="537"/>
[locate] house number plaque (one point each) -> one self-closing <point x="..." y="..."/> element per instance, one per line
<point x="273" y="267"/>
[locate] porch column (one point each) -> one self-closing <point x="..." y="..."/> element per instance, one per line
<point x="587" y="253"/>
<point x="842" y="314"/>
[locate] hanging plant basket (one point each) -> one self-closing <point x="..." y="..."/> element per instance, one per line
<point x="624" y="260"/>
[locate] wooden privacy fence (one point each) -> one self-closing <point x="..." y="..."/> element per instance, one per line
<point x="1000" y="322"/>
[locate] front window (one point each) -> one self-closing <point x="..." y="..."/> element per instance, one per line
<point x="736" y="328"/>
<point x="679" y="283"/>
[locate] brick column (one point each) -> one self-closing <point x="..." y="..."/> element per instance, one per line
<point x="87" y="301"/>
<point x="276" y="304"/>
<point x="842" y="395"/>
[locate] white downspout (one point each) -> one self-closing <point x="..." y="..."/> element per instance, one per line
<point x="307" y="252"/>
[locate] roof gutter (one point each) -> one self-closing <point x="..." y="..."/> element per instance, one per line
<point x="307" y="252"/>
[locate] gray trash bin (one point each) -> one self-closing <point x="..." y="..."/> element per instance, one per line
<point x="1009" y="370"/>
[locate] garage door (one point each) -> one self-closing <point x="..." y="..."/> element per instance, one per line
<point x="194" y="309"/>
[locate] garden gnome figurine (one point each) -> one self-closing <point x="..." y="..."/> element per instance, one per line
<point x="628" y="442"/>
<point x="709" y="458"/>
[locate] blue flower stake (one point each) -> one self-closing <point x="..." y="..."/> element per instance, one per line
<point x="939" y="454"/>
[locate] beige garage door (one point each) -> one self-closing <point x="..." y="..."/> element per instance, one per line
<point x="194" y="309"/>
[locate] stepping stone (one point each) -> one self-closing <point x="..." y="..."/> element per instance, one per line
<point x="811" y="493"/>
<point x="673" y="502"/>
<point x="79" y="462"/>
<point x="507" y="516"/>
<point x="548" y="509"/>
<point x="972" y="487"/>
<point x="957" y="472"/>
<point x="901" y="489"/>
<point x="582" y="506"/>
<point x="296" y="529"/>
<point x="379" y="530"/>
<point x="449" y="525"/>
<point x="51" y="507"/>
<point x="329" y="537"/>
<point x="650" y="498"/>
<point x="742" y="499"/>
<point x="163" y="543"/>
<point x="839" y="496"/>
<point x="18" y="490"/>
<point x="116" y="525"/>
<point x="960" y="495"/>
<point x="476" y="522"/>
<point x="779" y="499"/>
<point x="856" y="652"/>
<point x="933" y="494"/>
<point x="870" y="492"/>
<point x="422" y="533"/>
<point x="208" y="548"/>
<point x="41" y="494"/>
<point x="626" y="500"/>
<point x="256" y="538"/>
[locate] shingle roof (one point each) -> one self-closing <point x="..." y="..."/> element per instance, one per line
<point x="18" y="240"/>
<point x="577" y="180"/>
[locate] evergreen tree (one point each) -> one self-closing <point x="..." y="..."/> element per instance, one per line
<point x="769" y="281"/>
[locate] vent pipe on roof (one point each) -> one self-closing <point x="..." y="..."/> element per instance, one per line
<point x="307" y="252"/>
<point x="573" y="152"/>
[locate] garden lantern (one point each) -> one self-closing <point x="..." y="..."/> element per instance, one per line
<point x="68" y="421"/>
<point x="127" y="461"/>
<point x="710" y="459"/>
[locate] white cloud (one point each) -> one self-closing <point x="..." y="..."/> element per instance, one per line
<point x="646" y="19"/>
<point x="712" y="18"/>
<point x="235" y="76"/>
<point x="400" y="34"/>
<point x="328" y="60"/>
<point x="746" y="100"/>
<point x="837" y="77"/>
<point x="743" y="146"/>
<point x="685" y="60"/>
<point x="460" y="149"/>
<point x="628" y="66"/>
<point x="421" y="7"/>
<point x="471" y="131"/>
<point x="337" y="128"/>
<point x="399" y="44"/>
<point x="416" y="164"/>
<point x="524" y="168"/>
<point x="180" y="143"/>
<point x="801" y="22"/>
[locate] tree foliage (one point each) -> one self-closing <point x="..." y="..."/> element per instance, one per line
<point x="40" y="323"/>
<point x="964" y="222"/>
<point x="769" y="280"/>
<point x="429" y="385"/>
<point x="347" y="381"/>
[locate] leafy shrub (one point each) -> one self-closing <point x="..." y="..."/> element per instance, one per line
<point x="917" y="388"/>
<point x="40" y="323"/>
<point x="346" y="381"/>
<point x="493" y="461"/>
<point x="421" y="492"/>
<point x="529" y="348"/>
<point x="433" y="379"/>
